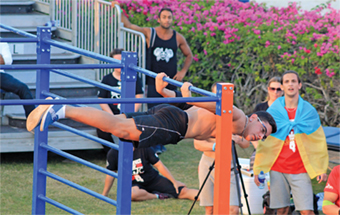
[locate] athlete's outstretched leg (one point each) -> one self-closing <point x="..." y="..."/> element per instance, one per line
<point x="118" y="125"/>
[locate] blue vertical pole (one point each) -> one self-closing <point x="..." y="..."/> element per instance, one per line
<point x="125" y="157"/>
<point x="40" y="154"/>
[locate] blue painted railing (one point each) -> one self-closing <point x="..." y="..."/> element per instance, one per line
<point x="41" y="147"/>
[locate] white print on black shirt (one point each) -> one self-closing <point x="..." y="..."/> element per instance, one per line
<point x="163" y="55"/>
<point x="137" y="168"/>
<point x="115" y="95"/>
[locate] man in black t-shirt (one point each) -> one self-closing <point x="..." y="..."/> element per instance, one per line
<point x="114" y="79"/>
<point x="147" y="183"/>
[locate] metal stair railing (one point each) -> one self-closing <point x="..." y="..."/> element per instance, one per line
<point x="93" y="25"/>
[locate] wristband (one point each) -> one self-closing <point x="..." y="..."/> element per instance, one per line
<point x="327" y="202"/>
<point x="214" y="145"/>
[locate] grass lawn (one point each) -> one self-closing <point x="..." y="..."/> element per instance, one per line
<point x="16" y="182"/>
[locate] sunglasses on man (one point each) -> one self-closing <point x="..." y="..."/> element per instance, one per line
<point x="264" y="129"/>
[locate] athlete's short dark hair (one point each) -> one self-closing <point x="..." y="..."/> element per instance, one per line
<point x="266" y="117"/>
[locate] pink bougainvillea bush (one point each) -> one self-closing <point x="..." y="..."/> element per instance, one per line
<point x="247" y="43"/>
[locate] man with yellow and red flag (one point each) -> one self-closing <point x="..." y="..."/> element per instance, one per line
<point x="296" y="153"/>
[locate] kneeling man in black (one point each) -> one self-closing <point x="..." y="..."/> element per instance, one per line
<point x="147" y="183"/>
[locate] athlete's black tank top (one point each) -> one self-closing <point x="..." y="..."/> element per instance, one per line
<point x="163" y="57"/>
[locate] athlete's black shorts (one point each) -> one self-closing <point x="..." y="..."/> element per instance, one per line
<point x="159" y="184"/>
<point x="162" y="124"/>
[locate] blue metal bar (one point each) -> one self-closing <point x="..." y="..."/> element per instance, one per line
<point x="125" y="156"/>
<point x="49" y="94"/>
<point x="172" y="81"/>
<point x="17" y="31"/>
<point x="59" y="66"/>
<point x="108" y="101"/>
<point x="40" y="154"/>
<point x="19" y="40"/>
<point x="78" y="187"/>
<point x="86" y="135"/>
<point x="82" y="51"/>
<point x="85" y="80"/>
<point x="58" y="205"/>
<point x="79" y="160"/>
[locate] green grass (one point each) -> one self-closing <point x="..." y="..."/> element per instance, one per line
<point x="16" y="182"/>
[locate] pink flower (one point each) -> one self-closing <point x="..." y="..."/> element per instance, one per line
<point x="205" y="52"/>
<point x="195" y="58"/>
<point x="267" y="43"/>
<point x="257" y="32"/>
<point x="293" y="60"/>
<point x="259" y="37"/>
<point x="329" y="74"/>
<point x="278" y="47"/>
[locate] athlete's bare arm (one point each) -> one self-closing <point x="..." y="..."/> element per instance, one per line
<point x="128" y="24"/>
<point x="161" y="86"/>
<point x="184" y="47"/>
<point x="210" y="106"/>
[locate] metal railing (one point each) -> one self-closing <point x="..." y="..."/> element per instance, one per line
<point x="93" y="25"/>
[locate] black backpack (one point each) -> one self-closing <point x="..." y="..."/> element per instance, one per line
<point x="268" y="210"/>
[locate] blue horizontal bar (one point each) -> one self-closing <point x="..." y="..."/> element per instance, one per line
<point x="107" y="101"/>
<point x="17" y="31"/>
<point x="82" y="51"/>
<point x="86" y="135"/>
<point x="78" y="187"/>
<point x="79" y="160"/>
<point x="49" y="94"/>
<point x="59" y="66"/>
<point x="58" y="205"/>
<point x="19" y="40"/>
<point x="173" y="82"/>
<point x="85" y="80"/>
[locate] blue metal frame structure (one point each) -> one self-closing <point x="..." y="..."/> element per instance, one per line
<point x="41" y="147"/>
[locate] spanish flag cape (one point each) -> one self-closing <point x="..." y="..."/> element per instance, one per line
<point x="309" y="137"/>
